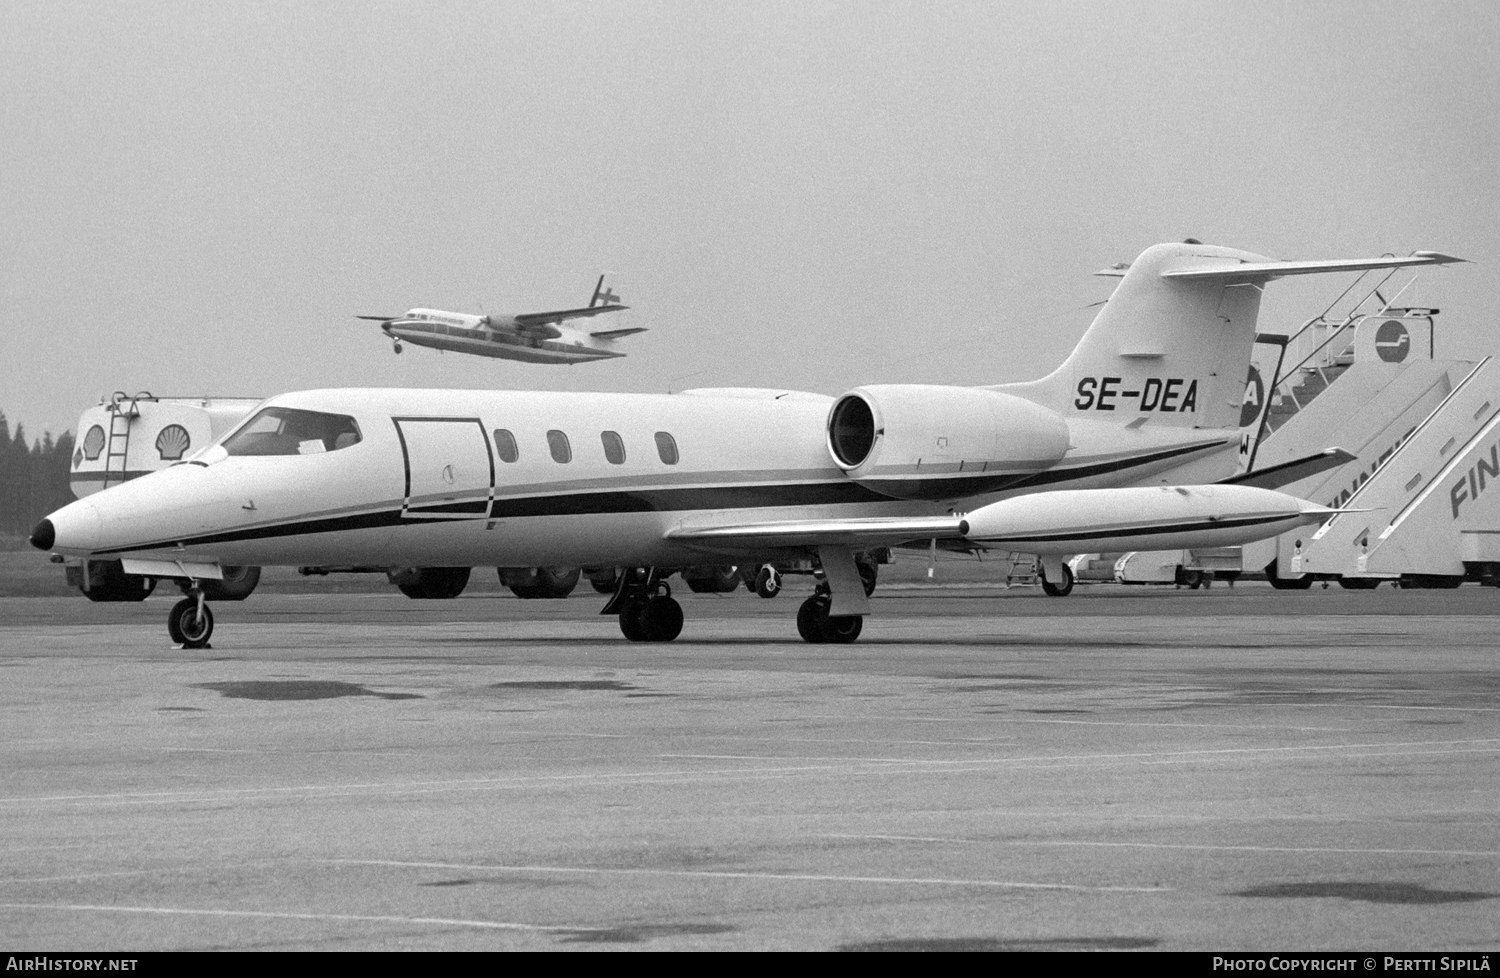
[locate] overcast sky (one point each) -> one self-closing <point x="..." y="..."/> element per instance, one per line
<point x="199" y="197"/>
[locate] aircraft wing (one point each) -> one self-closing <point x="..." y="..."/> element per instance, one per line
<point x="1276" y="476"/>
<point x="527" y="320"/>
<point x="610" y="334"/>
<point x="857" y="534"/>
<point x="1266" y="270"/>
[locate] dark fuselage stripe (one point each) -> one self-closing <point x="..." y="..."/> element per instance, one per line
<point x="643" y="500"/>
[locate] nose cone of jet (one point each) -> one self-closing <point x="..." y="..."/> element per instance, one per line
<point x="44" y="535"/>
<point x="74" y="529"/>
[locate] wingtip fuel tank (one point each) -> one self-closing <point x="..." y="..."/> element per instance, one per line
<point x="1138" y="518"/>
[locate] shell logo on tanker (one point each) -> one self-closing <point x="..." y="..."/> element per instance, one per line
<point x="1170" y="394"/>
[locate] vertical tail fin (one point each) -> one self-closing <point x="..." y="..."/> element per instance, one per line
<point x="603" y="295"/>
<point x="1173" y="342"/>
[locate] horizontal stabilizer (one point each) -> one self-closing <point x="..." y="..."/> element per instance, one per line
<point x="610" y="334"/>
<point x="1276" y="476"/>
<point x="1264" y="271"/>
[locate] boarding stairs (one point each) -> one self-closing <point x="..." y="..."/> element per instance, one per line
<point x="1423" y="512"/>
<point x="1319" y="352"/>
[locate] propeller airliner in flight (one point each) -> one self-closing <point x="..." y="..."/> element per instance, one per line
<point x="1131" y="444"/>
<point x="531" y="337"/>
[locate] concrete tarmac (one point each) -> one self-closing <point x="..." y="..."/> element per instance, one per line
<point x="1120" y="769"/>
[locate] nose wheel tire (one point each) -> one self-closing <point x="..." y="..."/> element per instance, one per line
<point x="188" y="627"/>
<point x="817" y="626"/>
<point x="1062" y="588"/>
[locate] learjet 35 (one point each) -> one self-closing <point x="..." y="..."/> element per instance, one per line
<point x="1131" y="444"/>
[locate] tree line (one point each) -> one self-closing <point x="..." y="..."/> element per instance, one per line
<point x="33" y="477"/>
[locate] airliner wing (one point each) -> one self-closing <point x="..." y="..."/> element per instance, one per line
<point x="1266" y="270"/>
<point x="852" y="533"/>
<point x="529" y="319"/>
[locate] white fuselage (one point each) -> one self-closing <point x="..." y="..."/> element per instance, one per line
<point x="432" y="481"/>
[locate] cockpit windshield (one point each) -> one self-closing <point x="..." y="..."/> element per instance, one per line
<point x="292" y="431"/>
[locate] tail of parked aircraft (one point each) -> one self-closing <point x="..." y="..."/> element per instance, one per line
<point x="1172" y="345"/>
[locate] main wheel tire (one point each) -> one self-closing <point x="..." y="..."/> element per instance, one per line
<point x="187" y="627"/>
<point x="237" y="585"/>
<point x="1061" y="589"/>
<point x="548" y="582"/>
<point x="811" y="617"/>
<point x="712" y="580"/>
<point x="558" y="582"/>
<point x="1359" y="583"/>
<point x="632" y="625"/>
<point x="700" y="585"/>
<point x="430" y="583"/>
<point x="842" y="629"/>
<point x="869" y="574"/>
<point x="767" y="582"/>
<point x="605" y="584"/>
<point x="661" y="618"/>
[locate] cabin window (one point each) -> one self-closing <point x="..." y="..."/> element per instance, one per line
<point x="614" y="447"/>
<point x="291" y="431"/>
<point x="666" y="447"/>
<point x="557" y="442"/>
<point x="505" y="445"/>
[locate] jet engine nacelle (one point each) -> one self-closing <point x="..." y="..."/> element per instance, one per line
<point x="923" y="441"/>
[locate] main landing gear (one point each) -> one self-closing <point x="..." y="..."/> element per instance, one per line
<point x="190" y="622"/>
<point x="817" y="626"/>
<point x="648" y="613"/>
<point x="647" y="610"/>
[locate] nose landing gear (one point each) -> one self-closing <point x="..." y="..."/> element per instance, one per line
<point x="190" y="622"/>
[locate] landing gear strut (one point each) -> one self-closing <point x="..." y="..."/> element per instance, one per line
<point x="190" y="622"/>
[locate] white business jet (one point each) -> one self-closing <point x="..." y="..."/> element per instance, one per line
<point x="531" y="337"/>
<point x="1125" y="446"/>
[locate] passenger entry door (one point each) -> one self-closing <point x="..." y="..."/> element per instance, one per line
<point x="450" y="473"/>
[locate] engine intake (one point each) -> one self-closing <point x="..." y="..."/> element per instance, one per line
<point x="851" y="431"/>
<point x="920" y="441"/>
